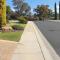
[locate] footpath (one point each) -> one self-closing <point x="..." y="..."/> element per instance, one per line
<point x="32" y="45"/>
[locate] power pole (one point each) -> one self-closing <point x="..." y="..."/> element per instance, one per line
<point x="55" y="12"/>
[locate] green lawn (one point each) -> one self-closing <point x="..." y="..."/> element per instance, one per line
<point x="12" y="36"/>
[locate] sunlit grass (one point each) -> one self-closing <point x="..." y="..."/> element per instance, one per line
<point x="12" y="36"/>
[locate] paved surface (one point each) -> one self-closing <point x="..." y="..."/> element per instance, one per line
<point x="51" y="31"/>
<point x="6" y="49"/>
<point x="39" y="43"/>
<point x="28" y="47"/>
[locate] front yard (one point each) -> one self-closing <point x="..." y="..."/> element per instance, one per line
<point x="14" y="35"/>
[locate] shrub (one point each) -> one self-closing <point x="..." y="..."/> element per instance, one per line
<point x="17" y="27"/>
<point x="22" y="19"/>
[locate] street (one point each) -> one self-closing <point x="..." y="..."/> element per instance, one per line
<point x="51" y="31"/>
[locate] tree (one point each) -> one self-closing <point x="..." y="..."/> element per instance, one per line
<point x="8" y="9"/>
<point x="51" y="14"/>
<point x="42" y="11"/>
<point x="14" y="15"/>
<point x="59" y="10"/>
<point x="17" y="4"/>
<point x="3" y="12"/>
<point x="55" y="12"/>
<point x="21" y="6"/>
<point x="8" y="12"/>
<point x="25" y="9"/>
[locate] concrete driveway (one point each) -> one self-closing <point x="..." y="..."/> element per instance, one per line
<point x="51" y="31"/>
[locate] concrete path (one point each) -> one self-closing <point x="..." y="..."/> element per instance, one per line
<point x="34" y="45"/>
<point x="28" y="48"/>
<point x="6" y="49"/>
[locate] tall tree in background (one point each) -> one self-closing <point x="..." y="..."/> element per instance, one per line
<point x="25" y="8"/>
<point x="55" y="12"/>
<point x="8" y="9"/>
<point x="21" y="6"/>
<point x="17" y="4"/>
<point x="42" y="11"/>
<point x="59" y="10"/>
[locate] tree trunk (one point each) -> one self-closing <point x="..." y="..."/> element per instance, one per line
<point x="3" y="12"/>
<point x="0" y="13"/>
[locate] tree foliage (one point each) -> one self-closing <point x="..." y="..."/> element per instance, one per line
<point x="8" y="9"/>
<point x="42" y="11"/>
<point x="21" y="6"/>
<point x="8" y="12"/>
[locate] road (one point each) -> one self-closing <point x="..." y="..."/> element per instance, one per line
<point x="51" y="31"/>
